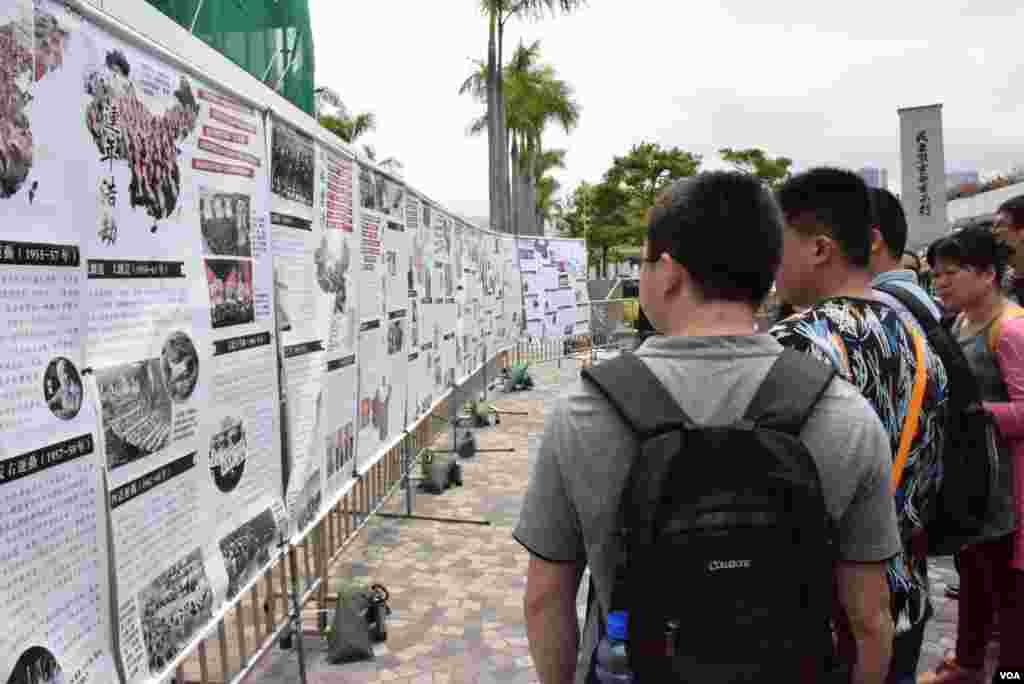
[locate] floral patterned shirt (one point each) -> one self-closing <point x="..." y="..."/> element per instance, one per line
<point x="870" y="346"/>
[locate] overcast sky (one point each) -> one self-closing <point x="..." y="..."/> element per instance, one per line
<point x="817" y="82"/>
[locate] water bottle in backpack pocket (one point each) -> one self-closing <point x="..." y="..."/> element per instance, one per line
<point x="611" y="658"/>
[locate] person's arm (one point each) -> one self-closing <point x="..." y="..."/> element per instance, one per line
<point x="857" y="483"/>
<point x="863" y="591"/>
<point x="1009" y="415"/>
<point x="549" y="529"/>
<point x="552" y="627"/>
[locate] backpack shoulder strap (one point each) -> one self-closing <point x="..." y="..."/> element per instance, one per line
<point x="637" y="394"/>
<point x="924" y="317"/>
<point x="792" y="387"/>
<point x="1010" y="312"/>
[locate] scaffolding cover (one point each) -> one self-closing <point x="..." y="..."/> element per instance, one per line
<point x="271" y="39"/>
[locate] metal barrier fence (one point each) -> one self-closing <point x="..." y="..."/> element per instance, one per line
<point x="612" y="326"/>
<point x="270" y="610"/>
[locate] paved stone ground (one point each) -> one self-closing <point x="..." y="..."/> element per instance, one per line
<point x="457" y="589"/>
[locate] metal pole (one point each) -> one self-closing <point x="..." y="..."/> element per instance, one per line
<point x="195" y="17"/>
<point x="296" y="616"/>
<point x="454" y="419"/>
<point x="407" y="463"/>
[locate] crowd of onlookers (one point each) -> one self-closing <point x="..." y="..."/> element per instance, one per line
<point x="909" y="402"/>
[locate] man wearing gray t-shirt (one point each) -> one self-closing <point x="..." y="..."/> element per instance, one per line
<point x="701" y="292"/>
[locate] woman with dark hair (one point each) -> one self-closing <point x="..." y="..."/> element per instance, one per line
<point x="969" y="270"/>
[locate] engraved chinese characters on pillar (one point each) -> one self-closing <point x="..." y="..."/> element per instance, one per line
<point x="924" y="200"/>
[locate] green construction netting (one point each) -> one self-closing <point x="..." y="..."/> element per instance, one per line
<point x="271" y="39"/>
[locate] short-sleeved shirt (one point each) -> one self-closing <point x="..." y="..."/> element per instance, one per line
<point x="871" y="346"/>
<point x="571" y="504"/>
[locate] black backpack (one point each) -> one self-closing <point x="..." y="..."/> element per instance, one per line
<point x="970" y="454"/>
<point x="724" y="531"/>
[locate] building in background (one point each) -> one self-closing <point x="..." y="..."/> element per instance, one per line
<point x="270" y="39"/>
<point x="956" y="179"/>
<point x="875" y="177"/>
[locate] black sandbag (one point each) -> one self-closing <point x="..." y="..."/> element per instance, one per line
<point x="350" y="640"/>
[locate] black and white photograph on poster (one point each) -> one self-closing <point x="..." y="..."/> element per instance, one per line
<point x="396" y="336"/>
<point x="179" y="363"/>
<point x="449" y="281"/>
<point x="62" y="388"/>
<point x="340" y="448"/>
<point x="333" y="272"/>
<point x="224" y="221"/>
<point x="173" y="607"/>
<point x="37" y="666"/>
<point x="246" y="551"/>
<point x="230" y="287"/>
<point x="379" y="193"/>
<point x="414" y="323"/>
<point x="227" y="454"/>
<point x="540" y="247"/>
<point x="391" y="263"/>
<point x="284" y="319"/>
<point x="292" y="164"/>
<point x="137" y="415"/>
<point x="308" y="503"/>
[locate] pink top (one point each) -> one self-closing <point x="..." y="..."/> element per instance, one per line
<point x="1009" y="416"/>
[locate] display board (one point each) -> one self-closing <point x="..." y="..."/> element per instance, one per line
<point x="177" y="264"/>
<point x="554" y="286"/>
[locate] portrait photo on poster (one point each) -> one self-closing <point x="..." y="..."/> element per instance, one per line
<point x="179" y="364"/>
<point x="37" y="665"/>
<point x="62" y="388"/>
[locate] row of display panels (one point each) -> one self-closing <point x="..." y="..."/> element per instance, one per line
<point x="172" y="263"/>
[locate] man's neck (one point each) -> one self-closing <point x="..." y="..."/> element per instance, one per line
<point x="886" y="267"/>
<point x="713" y="320"/>
<point x="854" y="284"/>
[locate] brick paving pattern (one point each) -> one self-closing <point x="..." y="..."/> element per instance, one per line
<point x="457" y="589"/>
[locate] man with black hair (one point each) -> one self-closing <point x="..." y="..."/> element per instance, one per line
<point x="1009" y="227"/>
<point x="701" y="294"/>
<point x="891" y="264"/>
<point x="826" y="264"/>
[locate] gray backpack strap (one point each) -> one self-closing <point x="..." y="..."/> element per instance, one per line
<point x="638" y="395"/>
<point x="792" y="387"/>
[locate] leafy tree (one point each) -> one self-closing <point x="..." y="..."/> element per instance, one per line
<point x="349" y="128"/>
<point x="772" y="171"/>
<point x="613" y="213"/>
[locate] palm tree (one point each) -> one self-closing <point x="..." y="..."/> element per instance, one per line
<point x="547" y="185"/>
<point x="535" y="97"/>
<point x="349" y="128"/>
<point x="498" y="13"/>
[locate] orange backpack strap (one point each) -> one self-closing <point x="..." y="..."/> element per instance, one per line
<point x="1010" y="312"/>
<point x="913" y="418"/>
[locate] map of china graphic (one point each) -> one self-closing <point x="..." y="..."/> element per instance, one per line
<point x="121" y="126"/>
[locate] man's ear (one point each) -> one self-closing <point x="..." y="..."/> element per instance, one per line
<point x="823" y="249"/>
<point x="877" y="242"/>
